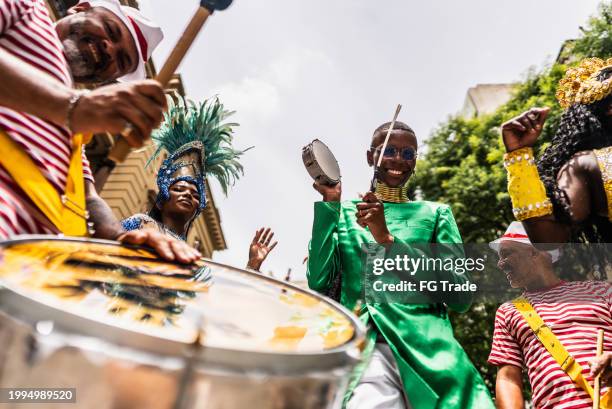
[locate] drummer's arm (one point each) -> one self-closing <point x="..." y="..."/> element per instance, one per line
<point x="323" y="257"/>
<point x="106" y="225"/>
<point x="509" y="388"/>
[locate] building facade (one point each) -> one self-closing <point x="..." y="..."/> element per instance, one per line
<point x="484" y="99"/>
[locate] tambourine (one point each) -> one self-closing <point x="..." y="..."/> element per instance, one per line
<point x="321" y="163"/>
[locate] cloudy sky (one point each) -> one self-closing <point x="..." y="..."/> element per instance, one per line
<point x="295" y="70"/>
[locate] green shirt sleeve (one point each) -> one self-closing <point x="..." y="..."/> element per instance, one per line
<point x="323" y="254"/>
<point x="446" y="227"/>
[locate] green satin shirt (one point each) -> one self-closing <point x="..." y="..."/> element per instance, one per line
<point x="435" y="370"/>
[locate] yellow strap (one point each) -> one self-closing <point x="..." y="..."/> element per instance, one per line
<point x="66" y="212"/>
<point x="552" y="344"/>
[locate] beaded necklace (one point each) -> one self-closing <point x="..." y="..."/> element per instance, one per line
<point x="392" y="194"/>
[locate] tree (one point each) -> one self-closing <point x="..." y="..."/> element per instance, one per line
<point x="462" y="168"/>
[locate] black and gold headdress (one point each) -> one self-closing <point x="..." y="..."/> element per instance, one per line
<point x="586" y="83"/>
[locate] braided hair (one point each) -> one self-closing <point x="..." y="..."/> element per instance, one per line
<point x="581" y="128"/>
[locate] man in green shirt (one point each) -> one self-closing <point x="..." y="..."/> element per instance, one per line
<point x="414" y="360"/>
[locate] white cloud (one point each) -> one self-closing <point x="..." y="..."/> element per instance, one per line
<point x="252" y="97"/>
<point x="260" y="94"/>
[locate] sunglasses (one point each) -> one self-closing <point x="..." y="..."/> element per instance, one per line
<point x="405" y="153"/>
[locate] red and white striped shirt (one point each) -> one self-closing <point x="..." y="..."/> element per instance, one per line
<point x="27" y="31"/>
<point x="574" y="311"/>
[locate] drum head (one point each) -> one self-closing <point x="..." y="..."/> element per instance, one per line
<point x="111" y="291"/>
<point x="326" y="160"/>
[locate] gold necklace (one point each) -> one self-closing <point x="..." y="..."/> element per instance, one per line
<point x="391" y="194"/>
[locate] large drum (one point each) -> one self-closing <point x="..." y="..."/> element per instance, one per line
<point x="128" y="331"/>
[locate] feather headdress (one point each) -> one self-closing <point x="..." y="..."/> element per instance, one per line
<point x="199" y="143"/>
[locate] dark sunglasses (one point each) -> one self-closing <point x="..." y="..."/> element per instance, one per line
<point x="405" y="153"/>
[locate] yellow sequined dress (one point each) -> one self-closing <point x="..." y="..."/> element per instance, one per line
<point x="604" y="160"/>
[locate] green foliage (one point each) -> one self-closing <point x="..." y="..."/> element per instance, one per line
<point x="462" y="168"/>
<point x="596" y="39"/>
<point x="186" y="121"/>
<point x="474" y="330"/>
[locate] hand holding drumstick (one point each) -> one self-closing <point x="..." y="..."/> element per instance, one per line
<point x="371" y="214"/>
<point x="122" y="147"/>
<point x="602" y="366"/>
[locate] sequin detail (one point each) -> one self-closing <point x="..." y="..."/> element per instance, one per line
<point x="140" y="221"/>
<point x="604" y="160"/>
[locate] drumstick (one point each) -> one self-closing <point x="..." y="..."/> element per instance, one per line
<point x="122" y="149"/>
<point x="597" y="388"/>
<point x="384" y="146"/>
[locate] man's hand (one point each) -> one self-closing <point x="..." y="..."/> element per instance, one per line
<point x="329" y="193"/>
<point x="371" y="214"/>
<point x="111" y="108"/>
<point x="603" y="365"/>
<point x="523" y="130"/>
<point x="260" y="248"/>
<point x="167" y="247"/>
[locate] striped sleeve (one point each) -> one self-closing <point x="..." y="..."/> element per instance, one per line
<point x="11" y="11"/>
<point x="608" y="297"/>
<point x="505" y="349"/>
<point x="87" y="174"/>
<point x="602" y="290"/>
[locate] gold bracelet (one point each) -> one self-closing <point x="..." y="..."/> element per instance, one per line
<point x="526" y="190"/>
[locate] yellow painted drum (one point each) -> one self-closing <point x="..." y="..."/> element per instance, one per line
<point x="130" y="331"/>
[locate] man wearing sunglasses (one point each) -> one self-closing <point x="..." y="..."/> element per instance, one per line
<point x="414" y="360"/>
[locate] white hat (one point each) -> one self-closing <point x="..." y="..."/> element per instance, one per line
<point x="516" y="232"/>
<point x="146" y="34"/>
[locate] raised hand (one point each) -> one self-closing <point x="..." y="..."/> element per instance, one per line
<point x="329" y="193"/>
<point x="260" y="248"/>
<point x="523" y="130"/>
<point x="371" y="214"/>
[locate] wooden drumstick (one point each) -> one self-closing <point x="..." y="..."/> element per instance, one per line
<point x="384" y="146"/>
<point x="597" y="388"/>
<point x="122" y="149"/>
